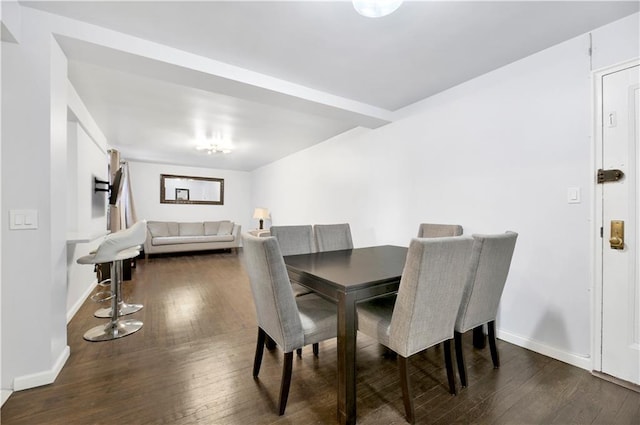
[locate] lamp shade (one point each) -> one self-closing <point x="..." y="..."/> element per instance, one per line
<point x="261" y="213"/>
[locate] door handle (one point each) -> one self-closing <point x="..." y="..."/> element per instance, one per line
<point x="617" y="234"/>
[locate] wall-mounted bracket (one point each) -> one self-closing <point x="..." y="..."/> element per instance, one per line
<point x="96" y="185"/>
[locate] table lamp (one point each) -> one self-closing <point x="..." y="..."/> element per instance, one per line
<point x="261" y="214"/>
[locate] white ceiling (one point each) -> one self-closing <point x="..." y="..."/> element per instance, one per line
<point x="294" y="73"/>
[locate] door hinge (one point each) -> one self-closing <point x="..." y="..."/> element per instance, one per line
<point x="601" y="231"/>
<point x="609" y="175"/>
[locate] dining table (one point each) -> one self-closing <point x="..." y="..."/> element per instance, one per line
<point x="348" y="277"/>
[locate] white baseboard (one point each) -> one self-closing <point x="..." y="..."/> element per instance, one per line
<point x="42" y="378"/>
<point x="75" y="307"/>
<point x="5" y="395"/>
<point x="583" y="362"/>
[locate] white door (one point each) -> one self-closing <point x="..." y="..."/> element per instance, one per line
<point x="620" y="321"/>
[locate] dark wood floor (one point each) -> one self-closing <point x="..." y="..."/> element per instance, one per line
<point x="191" y="364"/>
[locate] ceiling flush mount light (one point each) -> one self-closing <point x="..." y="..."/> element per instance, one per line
<point x="214" y="148"/>
<point x="376" y="8"/>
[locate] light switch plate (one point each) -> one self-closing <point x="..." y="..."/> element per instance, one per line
<point x="573" y="195"/>
<point x="23" y="219"/>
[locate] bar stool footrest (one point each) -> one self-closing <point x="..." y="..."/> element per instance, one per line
<point x="102" y="296"/>
<point x="105" y="282"/>
<point x="123" y="310"/>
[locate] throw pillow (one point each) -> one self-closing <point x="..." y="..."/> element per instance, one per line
<point x="158" y="228"/>
<point x="211" y="227"/>
<point x="226" y="227"/>
<point x="191" y="229"/>
<point x="174" y="228"/>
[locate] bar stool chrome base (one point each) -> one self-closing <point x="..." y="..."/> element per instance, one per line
<point x="113" y="330"/>
<point x="123" y="310"/>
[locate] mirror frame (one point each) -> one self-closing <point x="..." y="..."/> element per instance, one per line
<point x="163" y="199"/>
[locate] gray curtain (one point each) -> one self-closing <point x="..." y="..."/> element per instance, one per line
<point x="127" y="208"/>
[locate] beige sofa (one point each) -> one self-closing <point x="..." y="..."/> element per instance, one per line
<point x="170" y="236"/>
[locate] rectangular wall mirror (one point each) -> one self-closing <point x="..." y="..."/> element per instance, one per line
<point x="191" y="190"/>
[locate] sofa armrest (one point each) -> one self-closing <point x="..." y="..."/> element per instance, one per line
<point x="147" y="241"/>
<point x="236" y="231"/>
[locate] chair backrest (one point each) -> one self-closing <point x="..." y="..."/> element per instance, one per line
<point x="276" y="307"/>
<point x="119" y="241"/>
<point x="430" y="230"/>
<point x="294" y="239"/>
<point x="333" y="237"/>
<point x="487" y="274"/>
<point x="430" y="292"/>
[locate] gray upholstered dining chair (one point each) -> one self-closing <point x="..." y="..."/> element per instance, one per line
<point x="431" y="230"/>
<point x="333" y="237"/>
<point x="425" y="309"/>
<point x="289" y="321"/>
<point x="488" y="269"/>
<point x="294" y="240"/>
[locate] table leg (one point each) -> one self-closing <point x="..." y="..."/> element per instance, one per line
<point x="346" y="359"/>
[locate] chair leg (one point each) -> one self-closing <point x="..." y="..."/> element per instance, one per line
<point x="479" y="341"/>
<point x="286" y="381"/>
<point x="316" y="350"/>
<point x="407" y="394"/>
<point x="257" y="361"/>
<point x="492" y="344"/>
<point x="388" y="353"/>
<point x="271" y="344"/>
<point x="462" y="371"/>
<point x="448" y="361"/>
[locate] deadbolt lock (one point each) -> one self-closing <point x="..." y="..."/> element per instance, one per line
<point x="617" y="234"/>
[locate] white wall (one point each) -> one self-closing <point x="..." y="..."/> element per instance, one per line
<point x="496" y="153"/>
<point x="616" y="43"/>
<point x="11" y="17"/>
<point x="34" y="157"/>
<point x="145" y="184"/>
<point x="87" y="212"/>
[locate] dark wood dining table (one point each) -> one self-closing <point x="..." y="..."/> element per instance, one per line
<point x="348" y="277"/>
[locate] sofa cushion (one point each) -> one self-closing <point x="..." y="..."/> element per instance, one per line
<point x="174" y="240"/>
<point x="211" y="227"/>
<point x="158" y="228"/>
<point x="226" y="227"/>
<point x="191" y="229"/>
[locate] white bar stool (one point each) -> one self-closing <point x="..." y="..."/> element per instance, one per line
<point x="116" y="248"/>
